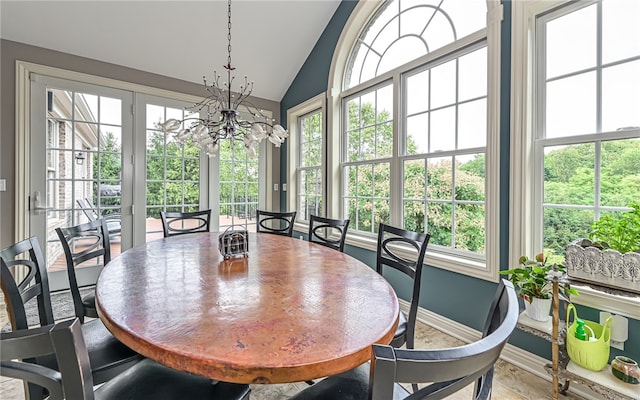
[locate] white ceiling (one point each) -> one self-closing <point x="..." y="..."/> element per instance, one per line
<point x="271" y="39"/>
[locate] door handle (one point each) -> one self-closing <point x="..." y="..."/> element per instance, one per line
<point x="36" y="202"/>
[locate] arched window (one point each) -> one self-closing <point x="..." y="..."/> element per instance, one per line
<point x="402" y="31"/>
<point x="418" y="126"/>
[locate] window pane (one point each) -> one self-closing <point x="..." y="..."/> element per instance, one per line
<point x="621" y="96"/>
<point x="443" y="84"/>
<point x="414" y="179"/>
<point x="470" y="227"/>
<point x="472" y="75"/>
<point x="562" y="226"/>
<point x="620" y="172"/>
<point x="381" y="180"/>
<point x="439" y="179"/>
<point x="439" y="223"/>
<point x="619" y="23"/>
<point x="470" y="177"/>
<point x="110" y="111"/>
<point x="85" y="107"/>
<point x="443" y="130"/>
<point x="569" y="174"/>
<point x="418" y="134"/>
<point x="414" y="216"/>
<point x="384" y="140"/>
<point x="571" y="106"/>
<point x="417" y="89"/>
<point x="571" y="42"/>
<point x="472" y="124"/>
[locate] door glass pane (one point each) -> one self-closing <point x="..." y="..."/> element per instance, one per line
<point x="84" y="167"/>
<point x="239" y="176"/>
<point x="173" y="171"/>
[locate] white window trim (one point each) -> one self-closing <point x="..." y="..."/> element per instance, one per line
<point x="522" y="229"/>
<point x="316" y="103"/>
<point x="487" y="270"/>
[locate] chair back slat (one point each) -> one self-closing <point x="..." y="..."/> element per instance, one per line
<point x="276" y="223"/>
<point x="328" y="232"/>
<point x="180" y="223"/>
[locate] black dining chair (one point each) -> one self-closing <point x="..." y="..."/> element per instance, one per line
<point x="84" y="244"/>
<point x="394" y="245"/>
<point x="114" y="221"/>
<point x="71" y="379"/>
<point x="277" y="223"/>
<point x="445" y="370"/>
<point x="107" y="356"/>
<point x="328" y="232"/>
<point x="181" y="223"/>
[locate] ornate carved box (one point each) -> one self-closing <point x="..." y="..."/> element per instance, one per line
<point x="607" y="268"/>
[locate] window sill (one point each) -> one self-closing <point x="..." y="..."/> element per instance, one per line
<point x="476" y="269"/>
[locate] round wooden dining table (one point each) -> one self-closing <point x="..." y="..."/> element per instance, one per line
<point x="291" y="311"/>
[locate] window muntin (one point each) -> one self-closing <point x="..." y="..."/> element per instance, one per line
<point x="588" y="88"/>
<point x="403" y="30"/>
<point x="310" y="159"/>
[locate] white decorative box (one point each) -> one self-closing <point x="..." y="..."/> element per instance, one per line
<point x="606" y="268"/>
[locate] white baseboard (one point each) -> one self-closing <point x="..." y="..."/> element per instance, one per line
<point x="512" y="354"/>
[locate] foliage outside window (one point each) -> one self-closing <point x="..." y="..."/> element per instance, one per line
<point x="369" y="143"/>
<point x="173" y="169"/>
<point x="421" y="128"/>
<point x="444" y="154"/>
<point x="587" y="132"/>
<point x="310" y="181"/>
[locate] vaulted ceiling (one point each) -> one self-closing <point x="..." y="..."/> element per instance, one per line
<point x="181" y="39"/>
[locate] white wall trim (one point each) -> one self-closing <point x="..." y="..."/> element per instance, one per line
<point x="511" y="354"/>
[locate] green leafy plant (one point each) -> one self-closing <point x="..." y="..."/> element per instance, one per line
<point x="531" y="278"/>
<point x="620" y="232"/>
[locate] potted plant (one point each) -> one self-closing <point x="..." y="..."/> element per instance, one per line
<point x="533" y="282"/>
<point x="611" y="255"/>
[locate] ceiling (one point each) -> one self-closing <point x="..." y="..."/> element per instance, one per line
<point x="271" y="39"/>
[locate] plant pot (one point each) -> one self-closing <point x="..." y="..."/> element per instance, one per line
<point x="606" y="268"/>
<point x="625" y="369"/>
<point x="538" y="309"/>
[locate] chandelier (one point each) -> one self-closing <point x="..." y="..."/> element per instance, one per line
<point x="218" y="117"/>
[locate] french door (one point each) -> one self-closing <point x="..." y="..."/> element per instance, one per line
<point x="80" y="142"/>
<point x="95" y="152"/>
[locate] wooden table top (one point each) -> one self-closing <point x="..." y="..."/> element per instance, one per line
<point x="291" y="311"/>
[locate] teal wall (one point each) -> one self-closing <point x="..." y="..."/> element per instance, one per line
<point x="458" y="297"/>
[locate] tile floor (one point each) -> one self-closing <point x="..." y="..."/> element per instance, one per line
<point x="510" y="382"/>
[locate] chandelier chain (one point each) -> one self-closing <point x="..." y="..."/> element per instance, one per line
<point x="229" y="37"/>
